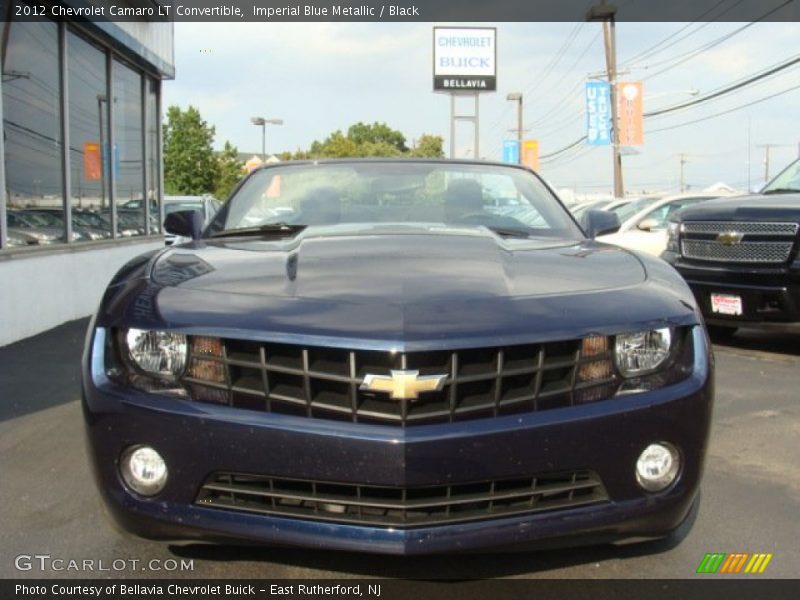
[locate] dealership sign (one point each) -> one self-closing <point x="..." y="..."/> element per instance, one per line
<point x="464" y="59"/>
<point x="598" y="113"/>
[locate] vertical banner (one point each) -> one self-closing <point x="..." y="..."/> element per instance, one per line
<point x="530" y="154"/>
<point x="92" y="162"/>
<point x="630" y="108"/>
<point x="511" y="151"/>
<point x="598" y="113"/>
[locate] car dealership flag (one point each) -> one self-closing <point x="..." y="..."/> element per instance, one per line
<point x="630" y="109"/>
<point x="511" y="151"/>
<point x="598" y="113"/>
<point x="530" y="154"/>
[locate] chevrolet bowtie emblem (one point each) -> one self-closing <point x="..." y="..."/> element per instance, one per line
<point x="404" y="385"/>
<point x="730" y="238"/>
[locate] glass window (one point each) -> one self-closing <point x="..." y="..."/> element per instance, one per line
<point x="786" y="182"/>
<point x="88" y="139"/>
<point x="32" y="133"/>
<point x="508" y="200"/>
<point x="152" y="173"/>
<point x="662" y="214"/>
<point x="127" y="155"/>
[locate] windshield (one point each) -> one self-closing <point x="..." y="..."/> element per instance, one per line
<point x="787" y="181"/>
<point x="171" y="207"/>
<point x="626" y="211"/>
<point x="390" y="193"/>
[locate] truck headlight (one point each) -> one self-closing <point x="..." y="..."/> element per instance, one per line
<point x="642" y="352"/>
<point x="673" y="231"/>
<point x="160" y="354"/>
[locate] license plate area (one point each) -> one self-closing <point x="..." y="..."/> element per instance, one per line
<point x="726" y="304"/>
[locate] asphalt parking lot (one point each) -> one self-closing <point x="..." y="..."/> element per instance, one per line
<point x="750" y="501"/>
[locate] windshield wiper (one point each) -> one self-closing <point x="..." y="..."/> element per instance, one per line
<point x="784" y="190"/>
<point x="270" y="229"/>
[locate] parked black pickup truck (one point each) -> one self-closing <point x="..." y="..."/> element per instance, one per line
<point x="740" y="256"/>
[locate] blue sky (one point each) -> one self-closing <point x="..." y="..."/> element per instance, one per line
<point x="320" y="77"/>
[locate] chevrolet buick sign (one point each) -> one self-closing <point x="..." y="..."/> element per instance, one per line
<point x="464" y="59"/>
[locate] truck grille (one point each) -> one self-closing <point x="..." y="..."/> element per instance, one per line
<point x="326" y="382"/>
<point x="759" y="242"/>
<point x="400" y="507"/>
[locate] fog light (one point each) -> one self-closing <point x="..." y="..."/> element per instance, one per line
<point x="657" y="467"/>
<point x="143" y="470"/>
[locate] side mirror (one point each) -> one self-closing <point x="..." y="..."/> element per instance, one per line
<point x="648" y="225"/>
<point x="186" y="223"/>
<point x="599" y="222"/>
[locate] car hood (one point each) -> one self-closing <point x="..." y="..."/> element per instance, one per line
<point x="404" y="288"/>
<point x="757" y="207"/>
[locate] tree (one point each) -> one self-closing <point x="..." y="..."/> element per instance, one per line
<point x="229" y="171"/>
<point x="375" y="140"/>
<point x="429" y="146"/>
<point x="190" y="165"/>
<point x="377" y="133"/>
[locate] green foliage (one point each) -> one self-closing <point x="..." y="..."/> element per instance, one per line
<point x="190" y="166"/>
<point x="428" y="146"/>
<point x="377" y="135"/>
<point x="229" y="171"/>
<point x="364" y="140"/>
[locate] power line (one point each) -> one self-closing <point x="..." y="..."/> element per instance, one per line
<point x="659" y="47"/>
<point x="725" y="112"/>
<point x="701" y="49"/>
<point x="726" y="90"/>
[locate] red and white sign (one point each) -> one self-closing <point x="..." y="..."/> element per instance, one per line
<point x="726" y="304"/>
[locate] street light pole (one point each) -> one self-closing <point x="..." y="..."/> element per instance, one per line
<point x="262" y="122"/>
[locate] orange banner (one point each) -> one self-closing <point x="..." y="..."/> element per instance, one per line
<point x="530" y="154"/>
<point x="630" y="107"/>
<point x="92" y="161"/>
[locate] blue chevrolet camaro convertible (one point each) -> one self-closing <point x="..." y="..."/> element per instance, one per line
<point x="397" y="356"/>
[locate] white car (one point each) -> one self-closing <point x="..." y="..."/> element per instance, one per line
<point x="646" y="231"/>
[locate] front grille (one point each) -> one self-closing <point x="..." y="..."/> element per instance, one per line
<point x="760" y="242"/>
<point x="400" y="507"/>
<point x="744" y="252"/>
<point x="325" y="382"/>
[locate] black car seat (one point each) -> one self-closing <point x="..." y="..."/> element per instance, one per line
<point x="321" y="206"/>
<point x="462" y="197"/>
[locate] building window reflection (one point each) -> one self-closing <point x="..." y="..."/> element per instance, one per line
<point x="88" y="134"/>
<point x="32" y="136"/>
<point x="34" y="153"/>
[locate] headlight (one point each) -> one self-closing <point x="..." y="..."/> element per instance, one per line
<point x="642" y="352"/>
<point x="161" y="354"/>
<point x="673" y="230"/>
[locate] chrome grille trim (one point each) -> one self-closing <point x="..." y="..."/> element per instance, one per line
<point x="397" y="506"/>
<point x="325" y="383"/>
<point x="746" y="227"/>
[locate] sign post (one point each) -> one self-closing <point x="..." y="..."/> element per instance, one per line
<point x="464" y="64"/>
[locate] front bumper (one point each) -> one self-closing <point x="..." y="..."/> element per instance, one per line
<point x="198" y="439"/>
<point x="770" y="296"/>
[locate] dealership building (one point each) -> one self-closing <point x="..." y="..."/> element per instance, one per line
<point x="80" y="159"/>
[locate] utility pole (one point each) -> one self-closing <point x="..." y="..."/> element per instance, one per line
<point x="683" y="161"/>
<point x="605" y="13"/>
